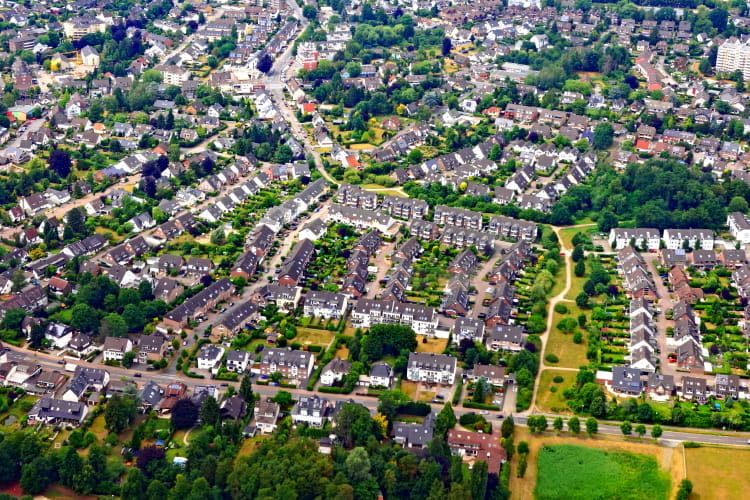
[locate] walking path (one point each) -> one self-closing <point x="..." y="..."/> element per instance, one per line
<point x="550" y="315"/>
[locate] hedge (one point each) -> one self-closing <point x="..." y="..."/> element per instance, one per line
<point x="334" y="390"/>
<point x="417" y="409"/>
<point x="480" y="406"/>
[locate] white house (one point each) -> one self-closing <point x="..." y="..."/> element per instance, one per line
<point x="237" y="361"/>
<point x="674" y="239"/>
<point x="431" y="368"/>
<point x="210" y="357"/>
<point x="311" y="410"/>
<point x="621" y="237"/>
<point x="327" y="305"/>
<point x="739" y="227"/>
<point x="334" y="371"/>
<point x="114" y="348"/>
<point x="59" y="335"/>
<point x="381" y="375"/>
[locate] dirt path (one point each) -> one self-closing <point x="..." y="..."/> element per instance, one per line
<point x="550" y="315"/>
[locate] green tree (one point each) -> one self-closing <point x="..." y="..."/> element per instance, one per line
<point x="574" y="425"/>
<point x="128" y="359"/>
<point x="656" y="431"/>
<point x="558" y="424"/>
<point x="210" y="413"/>
<point x="640" y="429"/>
<point x="580" y="269"/>
<point x="354" y="425"/>
<point x="737" y="204"/>
<point x="592" y="426"/>
<point x="577" y="254"/>
<point x="603" y="135"/>
<point x="626" y="427"/>
<point x="133" y="486"/>
<point x="478" y="480"/>
<point x="686" y="488"/>
<point x="445" y="420"/>
<point x="119" y="412"/>
<point x="507" y="427"/>
<point x="310" y="12"/>
<point x="246" y="389"/>
<point x="13" y="319"/>
<point x="85" y="480"/>
<point x="156" y="490"/>
<point x="113" y="325"/>
<point x="70" y="464"/>
<point x="83" y="317"/>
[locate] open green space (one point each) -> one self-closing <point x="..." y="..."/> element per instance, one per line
<point x="577" y="472"/>
<point x="549" y="396"/>
<point x="570" y="354"/>
<point x="708" y="469"/>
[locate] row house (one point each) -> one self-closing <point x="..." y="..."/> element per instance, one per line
<point x="293" y="270"/>
<point x="355" y="196"/>
<point x="463" y="237"/>
<point x="692" y="238"/>
<point x="235" y="319"/>
<point x="648" y="238"/>
<point x="643" y="337"/>
<point x="360" y="218"/>
<point x="404" y="208"/>
<point x="198" y="305"/>
<point x="367" y="312"/>
<point x="637" y="279"/>
<point x="513" y="229"/>
<point x="458" y="217"/>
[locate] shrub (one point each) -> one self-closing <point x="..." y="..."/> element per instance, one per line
<point x="558" y="379"/>
<point x="577" y="338"/>
<point x="553" y="389"/>
<point x="551" y="358"/>
<point x="561" y="308"/>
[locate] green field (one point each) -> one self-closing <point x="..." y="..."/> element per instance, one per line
<point x="576" y="472"/>
<point x="549" y="400"/>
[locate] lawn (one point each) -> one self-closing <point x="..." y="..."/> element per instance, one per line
<point x="342" y="352"/>
<point x="251" y="444"/>
<point x="313" y="336"/>
<point x="435" y="346"/>
<point x="712" y="478"/>
<point x="549" y="401"/>
<point x="409" y="388"/>
<point x="577" y="472"/>
<point x="98" y="429"/>
<point x="571" y="355"/>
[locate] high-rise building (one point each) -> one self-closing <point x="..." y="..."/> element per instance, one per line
<point x="734" y="55"/>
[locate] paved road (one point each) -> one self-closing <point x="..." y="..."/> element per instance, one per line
<point x="50" y="362"/>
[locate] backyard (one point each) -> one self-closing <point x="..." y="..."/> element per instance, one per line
<point x="431" y="345"/>
<point x="313" y="336"/>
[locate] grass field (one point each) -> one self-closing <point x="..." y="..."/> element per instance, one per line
<point x="712" y="478"/>
<point x="436" y="346"/>
<point x="312" y="336"/>
<point x="553" y="402"/>
<point x="571" y="355"/>
<point x="569" y="471"/>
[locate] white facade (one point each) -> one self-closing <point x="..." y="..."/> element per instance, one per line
<point x="620" y="238"/>
<point x="674" y="239"/>
<point x="739" y="227"/>
<point x="733" y="55"/>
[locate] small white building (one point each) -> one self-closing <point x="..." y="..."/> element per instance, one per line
<point x="739" y="227"/>
<point x="431" y="368"/>
<point x="114" y="348"/>
<point x="210" y="357"/>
